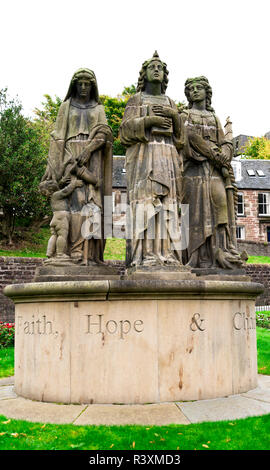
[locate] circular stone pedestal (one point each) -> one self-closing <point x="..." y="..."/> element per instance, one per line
<point x="134" y="341"/>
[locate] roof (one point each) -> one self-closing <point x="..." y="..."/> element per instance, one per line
<point x="119" y="179"/>
<point x="244" y="180"/>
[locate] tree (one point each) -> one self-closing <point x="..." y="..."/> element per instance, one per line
<point x="257" y="148"/>
<point x="114" y="109"/>
<point x="22" y="164"/>
<point x="45" y="119"/>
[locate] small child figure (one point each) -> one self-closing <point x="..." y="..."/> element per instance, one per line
<point x="59" y="226"/>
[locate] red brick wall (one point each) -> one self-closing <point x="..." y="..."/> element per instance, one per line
<point x="254" y="229"/>
<point x="14" y="271"/>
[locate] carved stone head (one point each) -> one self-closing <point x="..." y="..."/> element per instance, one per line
<point x="202" y="81"/>
<point x="86" y="74"/>
<point x="144" y="73"/>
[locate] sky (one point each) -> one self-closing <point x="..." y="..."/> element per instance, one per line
<point x="43" y="42"/>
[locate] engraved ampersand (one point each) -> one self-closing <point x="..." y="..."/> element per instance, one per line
<point x="197" y="322"/>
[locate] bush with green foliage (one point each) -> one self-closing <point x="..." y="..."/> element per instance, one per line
<point x="263" y="319"/>
<point x="257" y="148"/>
<point x="22" y="164"/>
<point x="7" y="331"/>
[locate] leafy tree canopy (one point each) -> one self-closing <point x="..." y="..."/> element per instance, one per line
<point x="257" y="148"/>
<point x="22" y="164"/>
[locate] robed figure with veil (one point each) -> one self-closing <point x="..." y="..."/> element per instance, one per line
<point x="81" y="148"/>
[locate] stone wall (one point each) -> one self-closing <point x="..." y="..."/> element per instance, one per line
<point x="254" y="248"/>
<point x="21" y="270"/>
<point x="260" y="273"/>
<point x="15" y="270"/>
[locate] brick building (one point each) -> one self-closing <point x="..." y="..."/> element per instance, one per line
<point x="253" y="213"/>
<point x="253" y="182"/>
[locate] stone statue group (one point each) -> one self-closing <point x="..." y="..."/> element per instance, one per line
<point x="173" y="158"/>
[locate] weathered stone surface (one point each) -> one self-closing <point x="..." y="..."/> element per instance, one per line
<point x="7" y="392"/>
<point x="209" y="187"/>
<point x="151" y="131"/>
<point x="116" y="415"/>
<point x="98" y="342"/>
<point x="7" y="381"/>
<point x="220" y="409"/>
<point x="258" y="394"/>
<point x="163" y="273"/>
<point x="76" y="273"/>
<point x="78" y="175"/>
<point x="29" y="410"/>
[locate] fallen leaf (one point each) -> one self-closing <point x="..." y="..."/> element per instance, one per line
<point x="133" y="444"/>
<point x="6" y="422"/>
<point x="180" y="433"/>
<point x="208" y="442"/>
<point x="228" y="440"/>
<point x="22" y="434"/>
<point x="42" y="427"/>
<point x="155" y="434"/>
<point x="14" y="434"/>
<point x="2" y="433"/>
<point x="111" y="446"/>
<point x="232" y="424"/>
<point x="204" y="445"/>
<point x="162" y="439"/>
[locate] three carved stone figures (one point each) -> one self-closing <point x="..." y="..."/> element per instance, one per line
<point x="174" y="159"/>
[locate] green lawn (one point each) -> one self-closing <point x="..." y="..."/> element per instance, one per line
<point x="247" y="434"/>
<point x="115" y="248"/>
<point x="258" y="260"/>
<point x="6" y="362"/>
<point x="263" y="345"/>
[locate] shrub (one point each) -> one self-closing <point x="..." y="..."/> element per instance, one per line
<point x="7" y="331"/>
<point x="263" y="319"/>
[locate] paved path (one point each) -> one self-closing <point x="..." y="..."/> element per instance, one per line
<point x="253" y="403"/>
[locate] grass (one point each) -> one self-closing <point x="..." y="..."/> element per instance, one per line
<point x="115" y="248"/>
<point x="36" y="245"/>
<point x="263" y="345"/>
<point x="263" y="319"/>
<point x="32" y="244"/>
<point x="258" y="260"/>
<point x="247" y="434"/>
<point x="6" y="362"/>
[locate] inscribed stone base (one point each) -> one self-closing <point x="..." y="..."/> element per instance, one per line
<point x="134" y="341"/>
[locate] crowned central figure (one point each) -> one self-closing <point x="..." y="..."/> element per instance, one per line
<point x="151" y="131"/>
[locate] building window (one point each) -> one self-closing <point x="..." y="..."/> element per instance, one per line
<point x="240" y="232"/>
<point x="240" y="204"/>
<point x="268" y="233"/>
<point x="264" y="203"/>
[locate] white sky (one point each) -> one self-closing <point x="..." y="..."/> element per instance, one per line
<point x="43" y="42"/>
